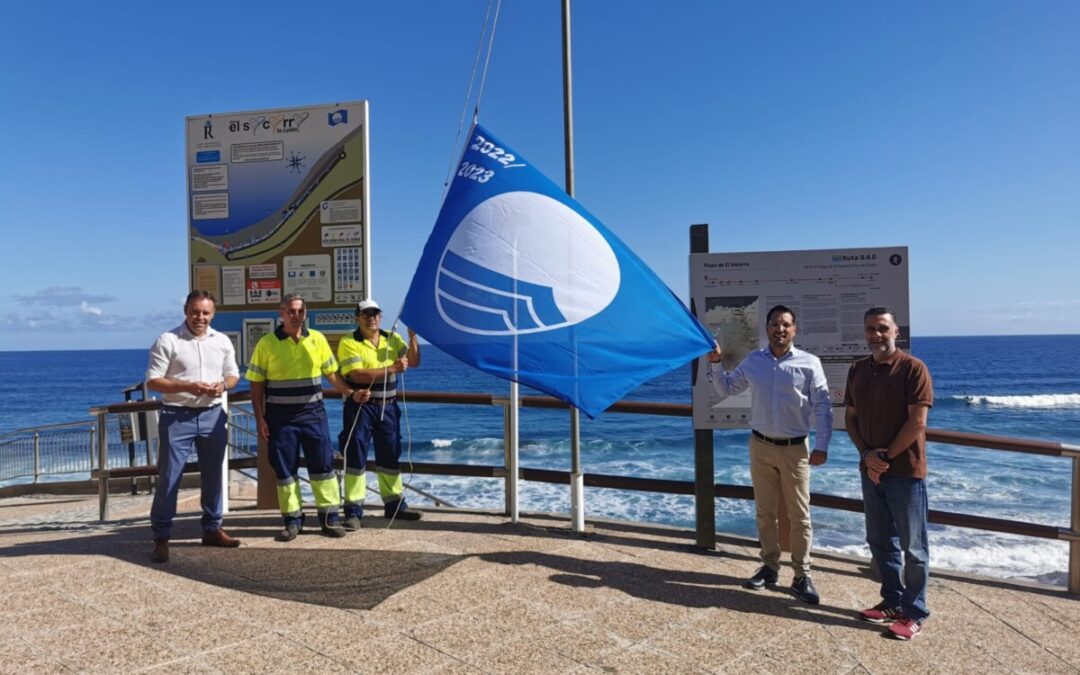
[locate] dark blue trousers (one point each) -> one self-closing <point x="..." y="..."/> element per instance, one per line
<point x="293" y="428"/>
<point x="378" y="429"/>
<point x="179" y="431"/>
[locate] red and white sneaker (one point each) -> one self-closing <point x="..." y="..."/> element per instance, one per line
<point x="880" y="613"/>
<point x="905" y="628"/>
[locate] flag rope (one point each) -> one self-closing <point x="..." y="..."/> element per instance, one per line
<point x="452" y="162"/>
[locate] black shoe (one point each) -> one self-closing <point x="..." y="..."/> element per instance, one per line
<point x="334" y="530"/>
<point x="765" y="576"/>
<point x="399" y="510"/>
<point x="288" y="533"/>
<point x="804" y="589"/>
<point x="352" y="523"/>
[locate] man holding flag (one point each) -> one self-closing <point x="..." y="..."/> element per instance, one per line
<point x="789" y="397"/>
<point x="371" y="359"/>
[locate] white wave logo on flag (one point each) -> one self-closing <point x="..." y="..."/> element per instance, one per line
<point x="485" y="286"/>
<point x="519" y="280"/>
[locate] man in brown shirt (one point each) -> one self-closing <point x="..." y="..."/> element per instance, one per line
<point x="888" y="397"/>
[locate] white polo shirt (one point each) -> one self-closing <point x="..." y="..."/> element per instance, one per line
<point x="179" y="355"/>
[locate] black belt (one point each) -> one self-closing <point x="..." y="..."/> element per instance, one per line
<point x="778" y="441"/>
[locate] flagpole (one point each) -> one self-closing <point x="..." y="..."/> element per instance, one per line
<point x="577" y="480"/>
<point x="514" y="436"/>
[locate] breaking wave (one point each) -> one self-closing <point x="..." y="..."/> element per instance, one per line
<point x="1030" y="401"/>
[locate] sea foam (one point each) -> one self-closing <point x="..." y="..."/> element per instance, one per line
<point x="1029" y="401"/>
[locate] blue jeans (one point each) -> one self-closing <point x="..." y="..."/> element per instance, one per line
<point x="896" y="512"/>
<point x="180" y="430"/>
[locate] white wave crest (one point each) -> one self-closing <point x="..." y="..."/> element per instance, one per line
<point x="997" y="555"/>
<point x="1030" y="401"/>
<point x="442" y="442"/>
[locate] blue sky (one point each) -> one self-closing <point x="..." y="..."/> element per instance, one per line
<point x="951" y="128"/>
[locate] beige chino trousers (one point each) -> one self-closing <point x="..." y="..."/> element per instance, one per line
<point x="782" y="471"/>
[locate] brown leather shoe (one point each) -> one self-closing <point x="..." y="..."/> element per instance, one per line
<point x="160" y="553"/>
<point x="219" y="538"/>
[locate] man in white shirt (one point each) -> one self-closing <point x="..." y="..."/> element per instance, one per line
<point x="789" y="397"/>
<point x="191" y="366"/>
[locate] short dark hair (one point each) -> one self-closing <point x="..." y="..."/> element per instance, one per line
<point x="780" y="309"/>
<point x="198" y="294"/>
<point x="879" y="311"/>
<point x="288" y="300"/>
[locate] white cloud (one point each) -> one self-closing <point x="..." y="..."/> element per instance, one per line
<point x="63" y="309"/>
<point x="89" y="319"/>
<point x="62" y="296"/>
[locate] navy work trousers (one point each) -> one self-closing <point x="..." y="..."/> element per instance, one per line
<point x="294" y="429"/>
<point x="378" y="429"/>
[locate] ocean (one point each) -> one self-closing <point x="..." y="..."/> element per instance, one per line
<point x="1025" y="387"/>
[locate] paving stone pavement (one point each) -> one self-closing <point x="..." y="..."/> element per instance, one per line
<point x="468" y="592"/>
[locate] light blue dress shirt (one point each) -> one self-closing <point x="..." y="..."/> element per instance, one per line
<point x="784" y="393"/>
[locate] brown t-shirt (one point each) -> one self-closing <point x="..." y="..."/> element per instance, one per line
<point x="881" y="393"/>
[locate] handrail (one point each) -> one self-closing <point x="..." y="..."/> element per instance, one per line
<point x="967" y="439"/>
<point x="45" y="427"/>
<point x="985" y="441"/>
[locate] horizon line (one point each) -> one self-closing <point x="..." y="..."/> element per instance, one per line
<point x="914" y="337"/>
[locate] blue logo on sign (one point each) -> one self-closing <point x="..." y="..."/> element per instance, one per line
<point x="206" y="156"/>
<point x="340" y="116"/>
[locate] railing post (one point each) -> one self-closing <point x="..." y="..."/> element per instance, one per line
<point x="507" y="488"/>
<point x="37" y="455"/>
<point x="228" y="453"/>
<point x="1074" y="545"/>
<point x="103" y="463"/>
<point x="93" y="438"/>
<point x="577" y="478"/>
<point x="515" y="437"/>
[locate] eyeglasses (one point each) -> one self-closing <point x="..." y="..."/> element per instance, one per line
<point x="370" y="313"/>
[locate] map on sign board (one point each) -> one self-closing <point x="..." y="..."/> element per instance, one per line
<point x="272" y="194"/>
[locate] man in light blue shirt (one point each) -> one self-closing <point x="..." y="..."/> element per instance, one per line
<point x="789" y="395"/>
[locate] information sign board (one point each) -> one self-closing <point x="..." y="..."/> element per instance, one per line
<point x="829" y="290"/>
<point x="278" y="203"/>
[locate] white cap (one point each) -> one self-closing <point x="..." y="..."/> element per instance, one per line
<point x="367" y="304"/>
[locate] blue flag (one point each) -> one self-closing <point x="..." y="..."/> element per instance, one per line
<point x="520" y="281"/>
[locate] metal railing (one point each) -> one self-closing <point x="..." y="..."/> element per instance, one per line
<point x="47" y="450"/>
<point x="243" y="431"/>
<point x="1069" y="534"/>
<point x="243" y="439"/>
